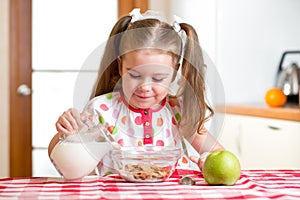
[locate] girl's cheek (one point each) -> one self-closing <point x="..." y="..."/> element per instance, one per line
<point x="129" y="86"/>
<point x="163" y="86"/>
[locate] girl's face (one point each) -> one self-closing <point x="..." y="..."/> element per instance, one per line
<point x="146" y="77"/>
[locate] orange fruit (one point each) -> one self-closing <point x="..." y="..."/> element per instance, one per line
<point x="275" y="97"/>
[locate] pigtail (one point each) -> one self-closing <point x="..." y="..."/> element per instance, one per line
<point x="108" y="75"/>
<point x="193" y="90"/>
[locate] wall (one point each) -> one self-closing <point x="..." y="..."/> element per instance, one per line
<point x="201" y="14"/>
<point x="245" y="39"/>
<point x="251" y="37"/>
<point x="4" y="92"/>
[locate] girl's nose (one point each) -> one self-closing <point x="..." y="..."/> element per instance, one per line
<point x="145" y="87"/>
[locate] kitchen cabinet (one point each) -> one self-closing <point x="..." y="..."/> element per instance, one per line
<point x="262" y="143"/>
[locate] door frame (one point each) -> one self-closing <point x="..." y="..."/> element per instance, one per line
<point x="20" y="72"/>
<point x="20" y="159"/>
<point x="125" y="6"/>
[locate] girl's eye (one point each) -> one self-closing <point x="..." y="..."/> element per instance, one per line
<point x="134" y="76"/>
<point x="157" y="79"/>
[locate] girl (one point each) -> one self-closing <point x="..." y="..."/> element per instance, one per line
<point x="131" y="98"/>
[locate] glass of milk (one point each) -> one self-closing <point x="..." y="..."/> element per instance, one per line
<point x="76" y="156"/>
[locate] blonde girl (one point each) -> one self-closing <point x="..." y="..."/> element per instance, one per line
<point x="143" y="57"/>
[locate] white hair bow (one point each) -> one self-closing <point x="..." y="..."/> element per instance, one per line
<point x="176" y="23"/>
<point x="136" y="15"/>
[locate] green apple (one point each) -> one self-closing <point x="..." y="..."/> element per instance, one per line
<point x="221" y="168"/>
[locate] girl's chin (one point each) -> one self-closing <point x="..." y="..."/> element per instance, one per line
<point x="141" y="102"/>
<point x="141" y="105"/>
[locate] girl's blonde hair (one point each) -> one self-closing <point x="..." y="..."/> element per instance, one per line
<point x="155" y="34"/>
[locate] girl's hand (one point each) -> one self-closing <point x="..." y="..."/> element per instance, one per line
<point x="199" y="161"/>
<point x="69" y="122"/>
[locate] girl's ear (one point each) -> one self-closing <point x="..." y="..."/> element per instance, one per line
<point x="119" y="60"/>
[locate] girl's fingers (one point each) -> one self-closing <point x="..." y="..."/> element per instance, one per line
<point x="69" y="118"/>
<point x="199" y="161"/>
<point x="194" y="159"/>
<point x="78" y="118"/>
<point x="62" y="130"/>
<point x="67" y="123"/>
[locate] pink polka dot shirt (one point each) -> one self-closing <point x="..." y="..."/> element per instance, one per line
<point x="135" y="127"/>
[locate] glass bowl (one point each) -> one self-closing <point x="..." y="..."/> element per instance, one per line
<point x="145" y="164"/>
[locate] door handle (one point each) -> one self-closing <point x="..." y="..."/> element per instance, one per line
<point x="275" y="128"/>
<point x="24" y="90"/>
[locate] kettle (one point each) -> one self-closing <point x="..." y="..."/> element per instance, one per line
<point x="288" y="78"/>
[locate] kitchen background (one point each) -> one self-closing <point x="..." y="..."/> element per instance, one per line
<point x="244" y="38"/>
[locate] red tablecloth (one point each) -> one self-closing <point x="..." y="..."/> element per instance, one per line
<point x="253" y="184"/>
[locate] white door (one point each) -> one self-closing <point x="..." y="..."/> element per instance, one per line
<point x="67" y="37"/>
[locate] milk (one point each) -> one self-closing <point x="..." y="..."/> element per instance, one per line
<point x="74" y="160"/>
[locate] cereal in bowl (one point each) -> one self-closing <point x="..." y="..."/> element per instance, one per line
<point x="148" y="171"/>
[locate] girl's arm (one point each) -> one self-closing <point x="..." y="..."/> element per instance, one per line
<point x="203" y="144"/>
<point x="52" y="143"/>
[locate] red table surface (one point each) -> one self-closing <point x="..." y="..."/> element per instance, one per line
<point x="253" y="184"/>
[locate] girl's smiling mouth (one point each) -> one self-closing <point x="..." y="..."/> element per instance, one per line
<point x="143" y="96"/>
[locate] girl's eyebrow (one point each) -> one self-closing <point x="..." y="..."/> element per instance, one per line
<point x="130" y="69"/>
<point x="134" y="70"/>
